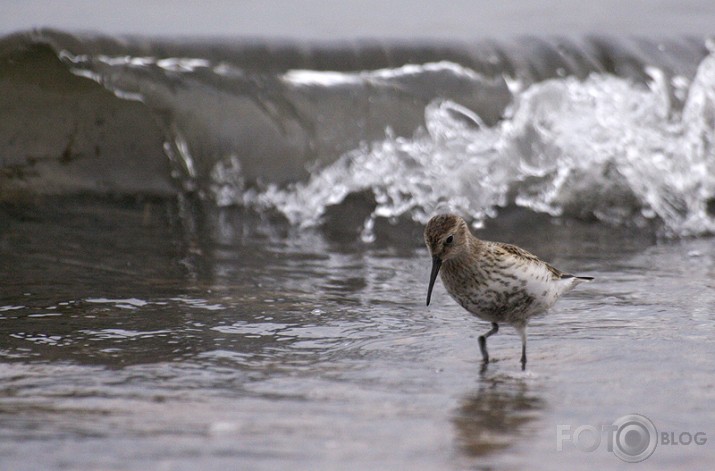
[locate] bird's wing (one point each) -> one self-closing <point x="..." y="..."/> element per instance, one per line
<point x="530" y="258"/>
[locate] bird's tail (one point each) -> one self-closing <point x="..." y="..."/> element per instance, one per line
<point x="566" y="276"/>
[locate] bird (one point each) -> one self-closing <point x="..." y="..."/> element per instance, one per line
<point x="495" y="281"/>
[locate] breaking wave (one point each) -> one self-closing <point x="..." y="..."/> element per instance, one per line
<point x="602" y="148"/>
<point x="606" y="130"/>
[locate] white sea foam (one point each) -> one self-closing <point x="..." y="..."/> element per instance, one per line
<point x="331" y="78"/>
<point x="602" y="147"/>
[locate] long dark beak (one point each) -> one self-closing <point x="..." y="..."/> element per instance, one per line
<point x="436" y="263"/>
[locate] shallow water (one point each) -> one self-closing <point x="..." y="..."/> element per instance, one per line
<point x="164" y="335"/>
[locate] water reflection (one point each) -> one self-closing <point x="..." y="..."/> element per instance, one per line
<point x="497" y="415"/>
<point x="117" y="313"/>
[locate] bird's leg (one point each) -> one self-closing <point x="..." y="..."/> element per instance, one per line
<point x="483" y="341"/>
<point x="522" y="334"/>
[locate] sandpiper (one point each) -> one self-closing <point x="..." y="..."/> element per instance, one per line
<point x="496" y="282"/>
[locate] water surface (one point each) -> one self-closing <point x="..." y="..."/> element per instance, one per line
<point x="174" y="335"/>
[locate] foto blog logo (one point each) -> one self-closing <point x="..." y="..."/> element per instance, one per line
<point x="632" y="438"/>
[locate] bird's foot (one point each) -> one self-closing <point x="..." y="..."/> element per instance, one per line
<point x="483" y="348"/>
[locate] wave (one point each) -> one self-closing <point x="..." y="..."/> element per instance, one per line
<point x="612" y="130"/>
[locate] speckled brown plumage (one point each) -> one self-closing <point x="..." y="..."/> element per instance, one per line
<point x="497" y="282"/>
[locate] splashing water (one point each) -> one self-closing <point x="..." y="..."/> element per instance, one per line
<point x="603" y="147"/>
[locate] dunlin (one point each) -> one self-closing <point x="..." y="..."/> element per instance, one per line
<point x="497" y="282"/>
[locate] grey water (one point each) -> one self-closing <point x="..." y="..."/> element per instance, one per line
<point x="210" y="233"/>
<point x="398" y="19"/>
<point x="171" y="334"/>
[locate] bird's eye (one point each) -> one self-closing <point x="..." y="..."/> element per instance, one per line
<point x="449" y="240"/>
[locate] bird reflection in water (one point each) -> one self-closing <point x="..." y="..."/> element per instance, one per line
<point x="496" y="416"/>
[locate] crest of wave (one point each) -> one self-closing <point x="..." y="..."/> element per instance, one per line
<point x="603" y="147"/>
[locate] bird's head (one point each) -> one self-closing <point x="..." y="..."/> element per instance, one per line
<point x="447" y="237"/>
